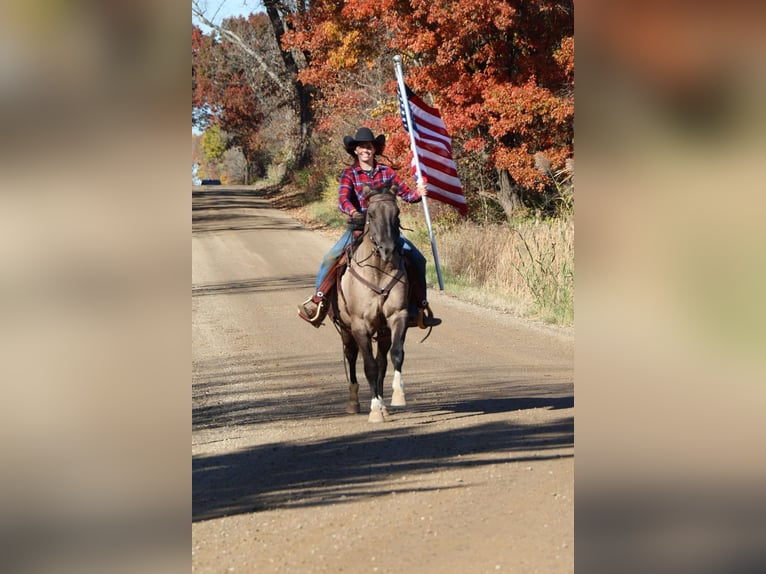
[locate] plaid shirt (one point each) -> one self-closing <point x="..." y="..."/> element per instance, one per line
<point x="350" y="195"/>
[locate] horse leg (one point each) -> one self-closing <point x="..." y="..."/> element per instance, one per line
<point x="351" y="351"/>
<point x="384" y="344"/>
<point x="371" y="373"/>
<point x="398" y="335"/>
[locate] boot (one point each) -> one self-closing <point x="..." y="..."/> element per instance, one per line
<point x="425" y="318"/>
<point x="313" y="311"/>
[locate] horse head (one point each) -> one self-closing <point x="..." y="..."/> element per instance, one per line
<point x="382" y="226"/>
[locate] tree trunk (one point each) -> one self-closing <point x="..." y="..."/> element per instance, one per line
<point x="302" y="92"/>
<point x="509" y="194"/>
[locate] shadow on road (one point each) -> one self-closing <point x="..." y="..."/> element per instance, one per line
<point x="342" y="469"/>
<point x="369" y="463"/>
<point x="235" y="209"/>
<point x="247" y="389"/>
<point x="267" y="284"/>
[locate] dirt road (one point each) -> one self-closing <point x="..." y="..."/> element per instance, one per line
<point x="475" y="475"/>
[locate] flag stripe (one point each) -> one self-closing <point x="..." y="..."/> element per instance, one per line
<point x="437" y="178"/>
<point x="429" y="115"/>
<point x="433" y="175"/>
<point x="430" y="135"/>
<point x="437" y="153"/>
<point x="435" y="164"/>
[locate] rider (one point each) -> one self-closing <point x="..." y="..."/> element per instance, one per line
<point x="363" y="147"/>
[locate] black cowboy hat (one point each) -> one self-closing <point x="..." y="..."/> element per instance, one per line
<point x="364" y="135"/>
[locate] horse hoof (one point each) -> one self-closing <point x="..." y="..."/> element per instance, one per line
<point x="376" y="416"/>
<point x="398" y="400"/>
<point x="352" y="408"/>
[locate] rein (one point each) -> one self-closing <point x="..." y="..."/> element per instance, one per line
<point x="379" y="290"/>
<point x="350" y="253"/>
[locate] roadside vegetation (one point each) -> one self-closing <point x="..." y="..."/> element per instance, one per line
<point x="524" y="267"/>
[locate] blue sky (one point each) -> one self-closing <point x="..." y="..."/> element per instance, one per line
<point x="217" y="10"/>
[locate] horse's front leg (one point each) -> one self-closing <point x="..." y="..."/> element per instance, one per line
<point x="398" y="334"/>
<point x="384" y="344"/>
<point x="364" y="341"/>
<point x="351" y="352"/>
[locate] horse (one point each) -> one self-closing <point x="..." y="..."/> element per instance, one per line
<point x="371" y="303"/>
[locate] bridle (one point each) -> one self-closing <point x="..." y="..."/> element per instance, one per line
<point x="375" y="197"/>
<point x="397" y="277"/>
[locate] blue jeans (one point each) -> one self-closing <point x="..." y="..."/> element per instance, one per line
<point x="410" y="252"/>
<point x="332" y="256"/>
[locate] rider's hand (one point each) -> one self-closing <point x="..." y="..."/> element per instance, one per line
<point x="421" y="187"/>
<point x="356" y="220"/>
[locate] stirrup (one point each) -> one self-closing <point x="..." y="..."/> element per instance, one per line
<point x="426" y="315"/>
<point x="318" y="317"/>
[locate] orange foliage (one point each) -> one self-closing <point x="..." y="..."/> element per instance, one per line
<point x="501" y="71"/>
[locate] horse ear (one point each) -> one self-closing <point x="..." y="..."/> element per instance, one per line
<point x="394" y="189"/>
<point x="366" y="190"/>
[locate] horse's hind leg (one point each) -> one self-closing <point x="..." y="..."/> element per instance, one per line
<point x="351" y="351"/>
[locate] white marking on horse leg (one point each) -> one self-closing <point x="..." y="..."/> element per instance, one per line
<point x="377" y="414"/>
<point x="397" y="398"/>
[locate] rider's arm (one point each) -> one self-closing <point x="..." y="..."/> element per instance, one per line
<point x="407" y="194"/>
<point x="346" y="193"/>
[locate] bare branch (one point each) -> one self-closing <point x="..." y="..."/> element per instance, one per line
<point x="234" y="38"/>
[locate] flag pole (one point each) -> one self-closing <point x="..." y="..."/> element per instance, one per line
<point x="414" y="148"/>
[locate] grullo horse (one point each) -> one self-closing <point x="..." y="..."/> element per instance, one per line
<point x="371" y="303"/>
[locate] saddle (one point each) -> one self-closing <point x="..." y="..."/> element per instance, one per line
<point x="328" y="305"/>
<point x="324" y="303"/>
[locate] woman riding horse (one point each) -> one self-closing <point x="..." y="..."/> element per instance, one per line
<point x="371" y="304"/>
<point x="366" y="171"/>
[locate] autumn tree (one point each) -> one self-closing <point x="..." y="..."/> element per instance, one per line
<point x="270" y="71"/>
<point x="501" y="72"/>
<point x="225" y="93"/>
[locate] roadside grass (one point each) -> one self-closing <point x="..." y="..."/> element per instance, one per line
<point x="325" y="210"/>
<point x="525" y="268"/>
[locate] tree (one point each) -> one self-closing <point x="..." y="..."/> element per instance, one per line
<point x="213" y="144"/>
<point x="255" y="42"/>
<point x="234" y="166"/>
<point x="501" y="72"/>
<point x="223" y="94"/>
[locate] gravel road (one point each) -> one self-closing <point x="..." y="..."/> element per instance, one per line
<point x="475" y="475"/>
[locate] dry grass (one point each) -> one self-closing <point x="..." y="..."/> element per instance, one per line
<point x="526" y="267"/>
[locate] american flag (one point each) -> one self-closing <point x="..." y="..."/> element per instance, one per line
<point x="434" y="149"/>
